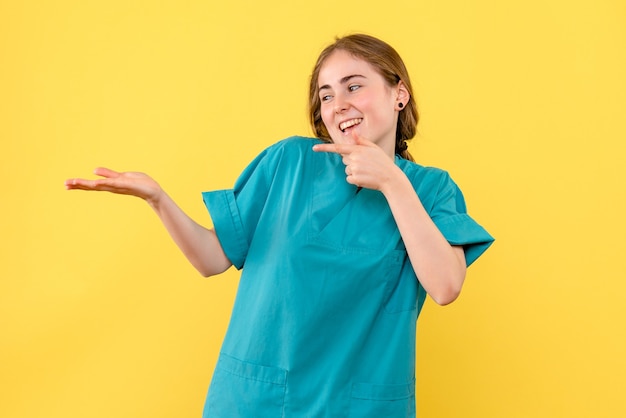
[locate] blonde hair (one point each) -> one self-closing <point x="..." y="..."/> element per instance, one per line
<point x="388" y="64"/>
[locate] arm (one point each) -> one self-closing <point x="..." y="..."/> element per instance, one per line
<point x="199" y="244"/>
<point x="439" y="266"/>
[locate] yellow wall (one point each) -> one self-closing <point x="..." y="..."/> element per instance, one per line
<point x="522" y="101"/>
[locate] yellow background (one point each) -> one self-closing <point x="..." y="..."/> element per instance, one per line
<point x="522" y="101"/>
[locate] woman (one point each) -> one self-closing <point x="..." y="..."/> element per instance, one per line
<point x="340" y="238"/>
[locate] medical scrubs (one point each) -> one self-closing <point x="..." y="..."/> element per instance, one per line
<point x="324" y="320"/>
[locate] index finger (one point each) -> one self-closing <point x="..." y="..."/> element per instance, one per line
<point x="336" y="148"/>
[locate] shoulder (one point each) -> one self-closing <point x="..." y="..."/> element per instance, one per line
<point x="289" y="151"/>
<point x="433" y="185"/>
<point x="293" y="144"/>
<point x="283" y="156"/>
<point x="424" y="177"/>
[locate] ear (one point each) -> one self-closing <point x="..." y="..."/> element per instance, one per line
<point x="402" y="94"/>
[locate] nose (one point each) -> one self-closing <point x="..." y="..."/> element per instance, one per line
<point x="341" y="104"/>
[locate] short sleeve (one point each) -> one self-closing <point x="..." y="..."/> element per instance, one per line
<point x="449" y="213"/>
<point x="236" y="212"/>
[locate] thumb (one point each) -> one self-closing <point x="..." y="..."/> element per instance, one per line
<point x="359" y="140"/>
<point x="352" y="139"/>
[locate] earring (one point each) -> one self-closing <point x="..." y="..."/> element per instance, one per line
<point x="400" y="105"/>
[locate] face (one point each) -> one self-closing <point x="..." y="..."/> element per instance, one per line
<point x="354" y="96"/>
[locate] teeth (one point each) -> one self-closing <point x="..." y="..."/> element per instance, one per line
<point x="345" y="125"/>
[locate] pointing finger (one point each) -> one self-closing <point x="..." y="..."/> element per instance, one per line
<point x="336" y="148"/>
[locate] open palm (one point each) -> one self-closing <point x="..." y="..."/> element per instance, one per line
<point x="128" y="183"/>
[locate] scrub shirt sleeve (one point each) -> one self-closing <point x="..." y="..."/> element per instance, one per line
<point x="449" y="213"/>
<point x="235" y="212"/>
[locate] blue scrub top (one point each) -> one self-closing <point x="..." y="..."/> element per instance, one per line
<point x="324" y="320"/>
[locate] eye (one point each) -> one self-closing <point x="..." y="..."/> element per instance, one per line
<point x="325" y="97"/>
<point x="354" y="87"/>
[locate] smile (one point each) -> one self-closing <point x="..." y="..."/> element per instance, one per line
<point x="349" y="123"/>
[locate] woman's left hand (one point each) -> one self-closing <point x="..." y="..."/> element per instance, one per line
<point x="367" y="165"/>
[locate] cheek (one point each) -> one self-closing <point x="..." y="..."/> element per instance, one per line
<point x="327" y="118"/>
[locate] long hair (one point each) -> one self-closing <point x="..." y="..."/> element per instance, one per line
<point x="388" y="64"/>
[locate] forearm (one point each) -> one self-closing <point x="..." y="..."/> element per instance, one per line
<point x="439" y="266"/>
<point x="199" y="244"/>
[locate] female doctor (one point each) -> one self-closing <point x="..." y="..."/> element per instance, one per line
<point x="339" y="238"/>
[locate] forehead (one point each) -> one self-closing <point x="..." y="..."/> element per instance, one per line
<point x="340" y="64"/>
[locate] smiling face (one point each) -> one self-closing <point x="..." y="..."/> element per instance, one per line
<point x="354" y="96"/>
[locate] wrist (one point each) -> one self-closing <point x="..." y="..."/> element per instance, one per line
<point x="396" y="183"/>
<point x="155" y="200"/>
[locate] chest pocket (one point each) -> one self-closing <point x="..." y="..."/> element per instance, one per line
<point x="354" y="221"/>
<point x="362" y="224"/>
<point x="358" y="242"/>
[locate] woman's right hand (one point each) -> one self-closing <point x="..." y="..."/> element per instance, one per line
<point x="129" y="183"/>
<point x="199" y="244"/>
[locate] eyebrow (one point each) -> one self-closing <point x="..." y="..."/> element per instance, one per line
<point x="343" y="80"/>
